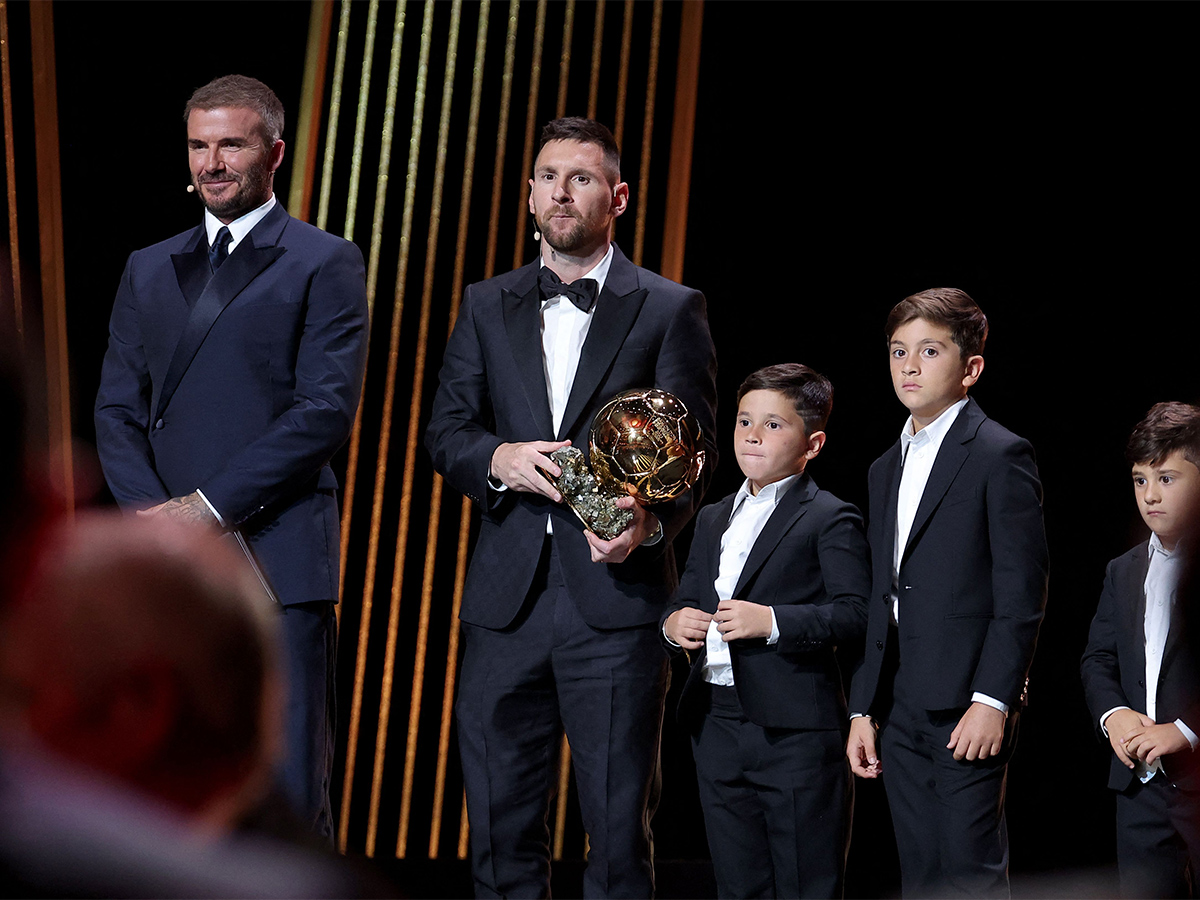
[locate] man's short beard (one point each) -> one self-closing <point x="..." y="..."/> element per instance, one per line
<point x="252" y="192"/>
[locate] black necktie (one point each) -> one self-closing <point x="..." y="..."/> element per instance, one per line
<point x="219" y="248"/>
<point x="581" y="292"/>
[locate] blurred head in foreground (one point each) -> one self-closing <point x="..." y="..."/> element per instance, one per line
<point x="145" y="653"/>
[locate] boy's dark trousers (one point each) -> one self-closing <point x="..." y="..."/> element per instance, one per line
<point x="777" y="803"/>
<point x="1158" y="838"/>
<point x="948" y="814"/>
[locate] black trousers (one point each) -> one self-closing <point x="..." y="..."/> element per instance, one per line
<point x="1158" y="838"/>
<point x="777" y="803"/>
<point x="519" y="689"/>
<point x="948" y="815"/>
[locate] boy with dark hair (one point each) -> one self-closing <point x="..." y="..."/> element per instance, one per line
<point x="958" y="591"/>
<point x="1138" y="675"/>
<point x="776" y="581"/>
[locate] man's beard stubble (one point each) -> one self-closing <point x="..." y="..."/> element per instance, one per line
<point x="253" y="189"/>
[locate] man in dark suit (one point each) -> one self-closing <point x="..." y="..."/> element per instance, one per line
<point x="233" y="372"/>
<point x="959" y="564"/>
<point x="1139" y="672"/>
<point x="559" y="626"/>
<point x="776" y="582"/>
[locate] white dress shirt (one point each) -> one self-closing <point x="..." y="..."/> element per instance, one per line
<point x="749" y="517"/>
<point x="238" y="229"/>
<point x="1160" y="586"/>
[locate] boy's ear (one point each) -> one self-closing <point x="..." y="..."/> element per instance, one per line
<point x="816" y="441"/>
<point x="974" y="368"/>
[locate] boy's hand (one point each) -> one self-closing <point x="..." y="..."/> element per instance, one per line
<point x="516" y="465"/>
<point x="1122" y="724"/>
<point x="978" y="734"/>
<point x="687" y="627"/>
<point x="737" y="619"/>
<point x="1154" y="741"/>
<point x="618" y="549"/>
<point x="860" y="749"/>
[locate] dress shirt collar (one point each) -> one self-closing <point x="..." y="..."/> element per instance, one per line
<point x="1156" y="546"/>
<point x="599" y="272"/>
<point x="934" y="432"/>
<point x="238" y="228"/>
<point x="772" y="492"/>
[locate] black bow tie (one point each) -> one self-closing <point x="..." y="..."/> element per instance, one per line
<point x="581" y="292"/>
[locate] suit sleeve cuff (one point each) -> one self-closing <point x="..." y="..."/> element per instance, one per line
<point x="989" y="701"/>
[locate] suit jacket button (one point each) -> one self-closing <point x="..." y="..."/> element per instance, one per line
<point x="879" y="645"/>
<point x="158" y="424"/>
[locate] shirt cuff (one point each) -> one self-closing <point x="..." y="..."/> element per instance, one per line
<point x="1187" y="733"/>
<point x="774" y="638"/>
<point x="212" y="509"/>
<point x="1104" y="718"/>
<point x="989" y="701"/>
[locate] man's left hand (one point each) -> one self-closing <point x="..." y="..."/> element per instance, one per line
<point x="978" y="734"/>
<point x="644" y="524"/>
<point x="190" y="509"/>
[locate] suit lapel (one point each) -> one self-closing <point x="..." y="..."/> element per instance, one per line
<point x="522" y="321"/>
<point x="712" y="547"/>
<point x="788" y="511"/>
<point x="192" y="270"/>
<point x="891" y="498"/>
<point x="951" y="456"/>
<point x="251" y="257"/>
<point x="616" y="310"/>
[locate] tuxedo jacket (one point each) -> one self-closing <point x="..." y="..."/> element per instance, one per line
<point x="1114" y="666"/>
<point x="810" y="562"/>
<point x="241" y="384"/>
<point x="972" y="578"/>
<point x="646" y="332"/>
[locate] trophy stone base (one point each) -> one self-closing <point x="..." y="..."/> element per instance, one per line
<point x="591" y="501"/>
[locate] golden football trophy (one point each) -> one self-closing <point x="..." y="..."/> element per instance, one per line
<point x="643" y="443"/>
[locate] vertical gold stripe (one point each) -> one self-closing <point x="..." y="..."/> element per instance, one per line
<point x="535" y="80"/>
<point x="335" y="113"/>
<point x="683" y="133"/>
<point x="54" y="301"/>
<point x="360" y="126"/>
<point x="360" y="116"/>
<point x="364" y="629"/>
<point x="597" y="43"/>
<point x="463" y="830"/>
<point x="435" y="503"/>
<point x="393" y="626"/>
<point x="10" y="169"/>
<point x="643" y="199"/>
<point x="414" y="415"/>
<point x="564" y="784"/>
<point x="510" y="54"/>
<point x="564" y="61"/>
<point x="312" y="94"/>
<point x="623" y="75"/>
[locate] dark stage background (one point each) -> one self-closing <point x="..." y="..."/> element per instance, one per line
<point x="845" y="156"/>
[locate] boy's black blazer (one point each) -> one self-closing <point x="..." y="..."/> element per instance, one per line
<point x="1114" y="665"/>
<point x="972" y="581"/>
<point x="810" y="562"/>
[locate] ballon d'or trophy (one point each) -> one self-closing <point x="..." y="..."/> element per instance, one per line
<point x="643" y="443"/>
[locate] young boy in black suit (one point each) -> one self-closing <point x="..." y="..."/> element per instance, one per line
<point x="777" y="579"/>
<point x="1139" y="677"/>
<point x="958" y="590"/>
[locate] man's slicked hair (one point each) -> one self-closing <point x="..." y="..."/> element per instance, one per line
<point x="241" y="92"/>
<point x="586" y="131"/>
<point x="951" y="308"/>
<point x="1167" y="427"/>
<point x="810" y="392"/>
